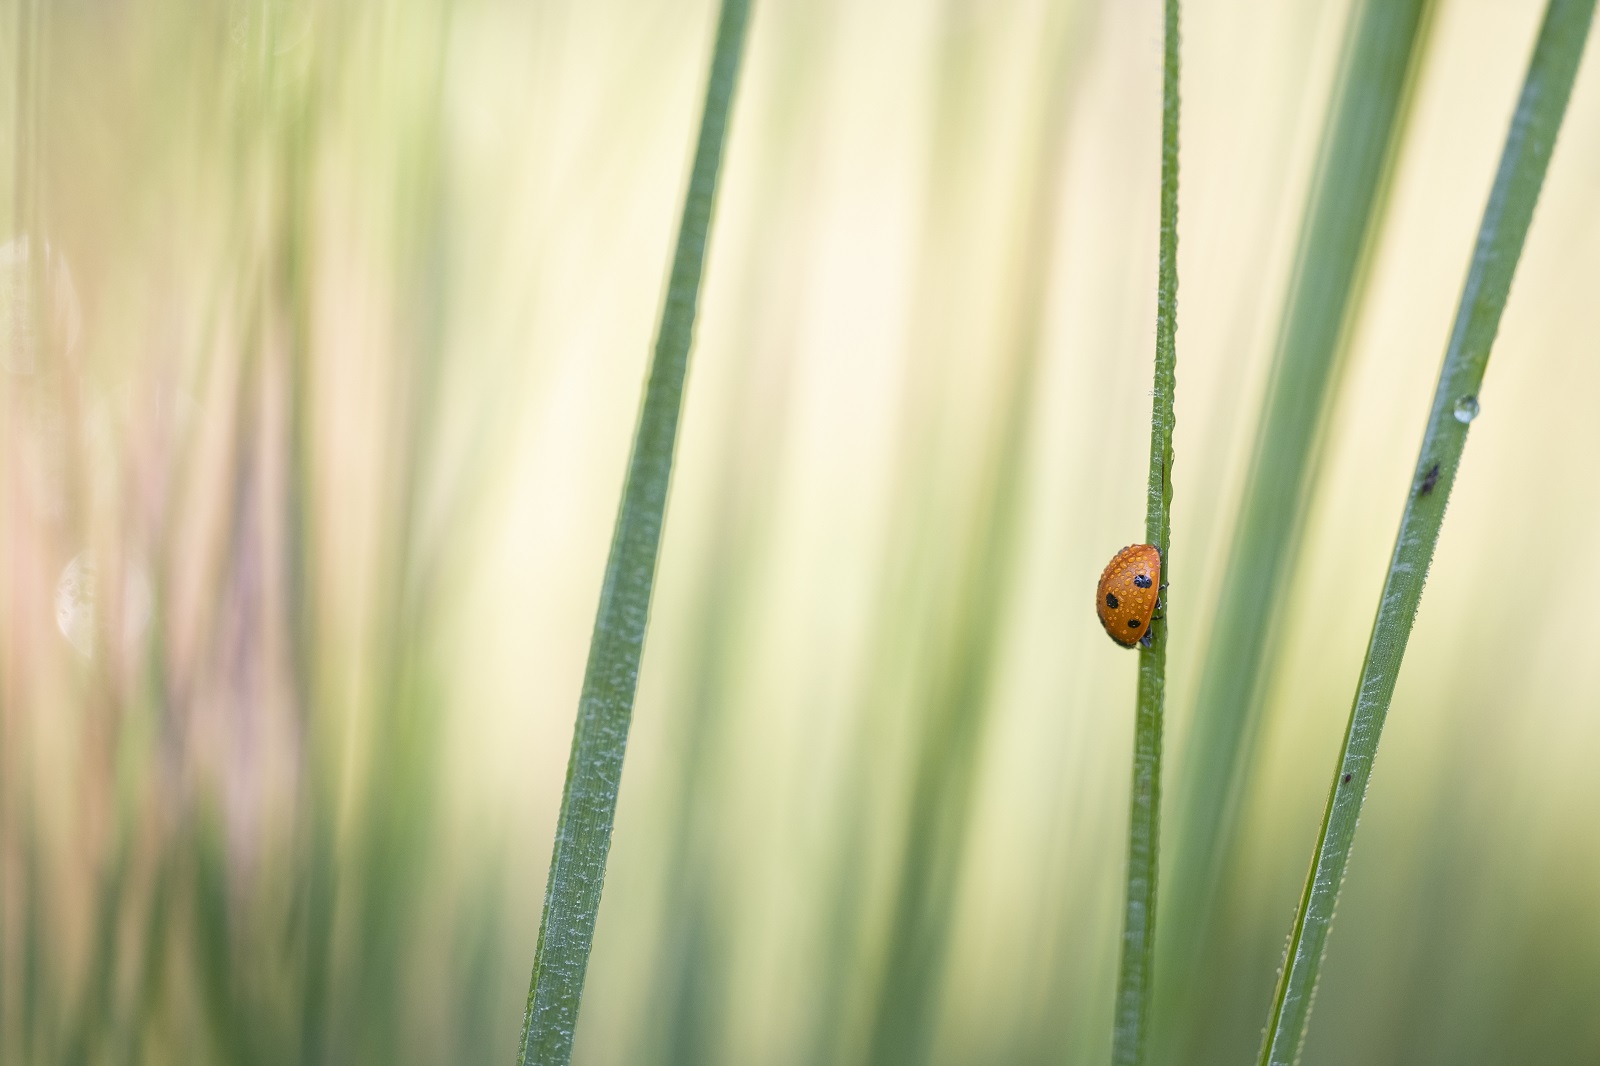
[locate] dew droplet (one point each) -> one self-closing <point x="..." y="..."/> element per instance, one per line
<point x="1466" y="409"/>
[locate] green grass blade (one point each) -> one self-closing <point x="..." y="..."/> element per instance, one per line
<point x="1134" y="981"/>
<point x="600" y="735"/>
<point x="1523" y="163"/>
<point x="1383" y="50"/>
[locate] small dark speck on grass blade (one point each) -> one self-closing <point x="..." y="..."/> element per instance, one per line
<point x="605" y="708"/>
<point x="1131" y="1028"/>
<point x="1523" y="163"/>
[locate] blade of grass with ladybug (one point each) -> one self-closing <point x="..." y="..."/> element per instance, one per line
<point x="1523" y="163"/>
<point x="1131" y="1026"/>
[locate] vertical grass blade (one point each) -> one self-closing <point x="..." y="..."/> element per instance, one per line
<point x="1131" y="1030"/>
<point x="1523" y="163"/>
<point x="600" y="735"/>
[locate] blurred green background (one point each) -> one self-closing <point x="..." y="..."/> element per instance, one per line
<point x="324" y="327"/>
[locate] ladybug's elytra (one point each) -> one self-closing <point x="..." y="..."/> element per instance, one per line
<point x="1127" y="595"/>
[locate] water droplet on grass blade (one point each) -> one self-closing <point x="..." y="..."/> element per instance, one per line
<point x="1466" y="409"/>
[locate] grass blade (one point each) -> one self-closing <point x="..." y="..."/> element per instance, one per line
<point x="1523" y="163"/>
<point x="605" y="708"/>
<point x="1134" y="984"/>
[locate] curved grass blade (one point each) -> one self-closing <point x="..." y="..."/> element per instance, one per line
<point x="605" y="708"/>
<point x="1523" y="163"/>
<point x="1130" y="1032"/>
<point x="1384" y="45"/>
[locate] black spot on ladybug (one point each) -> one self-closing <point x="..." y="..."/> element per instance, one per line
<point x="1143" y="581"/>
<point x="1429" y="480"/>
<point x="1134" y="623"/>
<point x="1111" y="601"/>
<point x="1347" y="779"/>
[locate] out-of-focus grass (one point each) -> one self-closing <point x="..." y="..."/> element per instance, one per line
<point x="403" y="264"/>
<point x="972" y="586"/>
<point x="1383" y="50"/>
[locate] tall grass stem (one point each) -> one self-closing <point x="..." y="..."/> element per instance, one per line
<point x="1135" y="986"/>
<point x="1526" y="157"/>
<point x="605" y="707"/>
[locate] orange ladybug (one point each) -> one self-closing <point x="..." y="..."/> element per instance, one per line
<point x="1129" y="589"/>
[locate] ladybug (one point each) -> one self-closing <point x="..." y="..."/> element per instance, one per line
<point x="1127" y="597"/>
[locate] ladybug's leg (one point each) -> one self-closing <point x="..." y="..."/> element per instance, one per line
<point x="1147" y="640"/>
